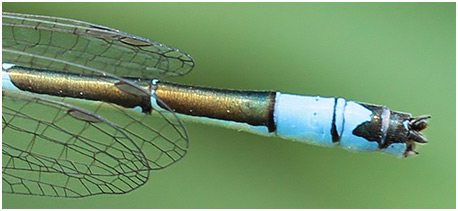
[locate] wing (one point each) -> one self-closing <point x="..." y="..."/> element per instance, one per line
<point x="78" y="47"/>
<point x="70" y="148"/>
<point x="51" y="148"/>
<point x="43" y="42"/>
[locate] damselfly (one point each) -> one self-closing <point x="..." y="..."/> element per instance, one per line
<point x="85" y="110"/>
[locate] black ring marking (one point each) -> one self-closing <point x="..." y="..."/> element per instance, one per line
<point x="334" y="133"/>
<point x="271" y="126"/>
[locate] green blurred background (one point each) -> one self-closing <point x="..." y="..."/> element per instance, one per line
<point x="401" y="55"/>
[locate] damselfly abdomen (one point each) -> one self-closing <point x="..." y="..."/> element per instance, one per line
<point x="85" y="110"/>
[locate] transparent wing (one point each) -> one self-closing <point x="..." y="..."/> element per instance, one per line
<point x="52" y="148"/>
<point x="88" y="45"/>
<point x="161" y="136"/>
<point x="71" y="46"/>
<point x="84" y="146"/>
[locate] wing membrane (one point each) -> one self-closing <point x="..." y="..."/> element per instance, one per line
<point x="53" y="153"/>
<point x="89" y="45"/>
<point x="98" y="147"/>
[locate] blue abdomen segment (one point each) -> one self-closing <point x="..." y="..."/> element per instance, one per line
<point x="354" y="126"/>
<point x="355" y="114"/>
<point x="307" y="119"/>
